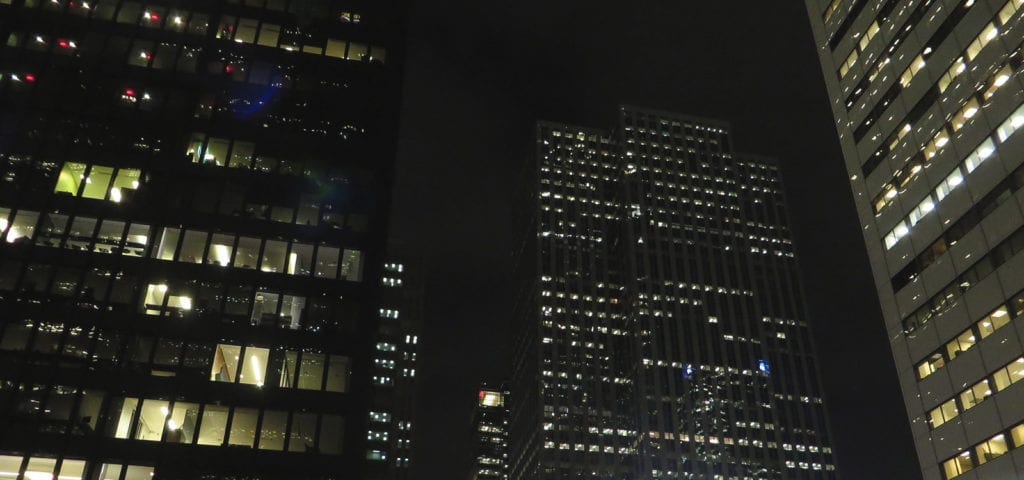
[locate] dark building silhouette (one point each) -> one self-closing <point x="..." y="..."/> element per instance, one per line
<point x="193" y="200"/>
<point x="661" y="331"/>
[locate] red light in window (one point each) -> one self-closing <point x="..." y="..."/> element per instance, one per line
<point x="154" y="17"/>
<point x="129" y="92"/>
<point x="482" y="394"/>
<point x="63" y="43"/>
<point x="229" y="68"/>
<point x="29" y="77"/>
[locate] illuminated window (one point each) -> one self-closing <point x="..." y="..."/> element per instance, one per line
<point x="327" y="262"/>
<point x="243" y="427"/>
<point x="911" y="71"/>
<point x="70" y="178"/>
<point x="269" y="34"/>
<point x="848" y="64"/>
<point x="246" y="30"/>
<point x="958" y="464"/>
<point x="214" y="425"/>
<point x="993" y="321"/>
<point x="490" y="398"/>
<point x="1017" y="433"/>
<point x="273" y="430"/>
<point x="976" y="394"/>
<point x="943" y="413"/>
<point x="993" y="448"/>
<point x="961" y="343"/>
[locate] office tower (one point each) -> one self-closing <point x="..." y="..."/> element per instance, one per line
<point x="662" y="332"/>
<point x="490" y="432"/>
<point x="394" y="365"/>
<point x="927" y="101"/>
<point x="192" y="224"/>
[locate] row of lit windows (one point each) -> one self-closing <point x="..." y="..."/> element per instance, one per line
<point x="865" y="39"/>
<point x="970" y="107"/>
<point x="263" y="307"/>
<point x="980" y="330"/>
<point x="592" y="448"/>
<point x="251" y="30"/>
<point x="986" y="149"/>
<point x="140" y="53"/>
<point x="132" y="13"/>
<point x="248" y="365"/>
<point x="995" y="382"/>
<point x="97" y="181"/>
<point x="941" y="33"/>
<point x="882" y="15"/>
<point x="984" y="452"/>
<point x="244" y="31"/>
<point x="217" y="425"/>
<point x="957" y="13"/>
<point x="930" y="98"/>
<point x="236" y="153"/>
<point x="951" y="293"/>
<point x="191" y="246"/>
<point x="37" y="468"/>
<point x="830" y="10"/>
<point x="988" y="33"/>
<point x="1003" y="191"/>
<point x="911" y="21"/>
<point x="180" y="422"/>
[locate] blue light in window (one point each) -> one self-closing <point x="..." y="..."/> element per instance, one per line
<point x="688" y="372"/>
<point x="762" y="365"/>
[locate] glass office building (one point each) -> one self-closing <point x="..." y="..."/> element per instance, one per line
<point x="193" y="200"/>
<point x="661" y="328"/>
<point x="927" y="98"/>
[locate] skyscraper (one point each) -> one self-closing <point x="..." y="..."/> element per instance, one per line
<point x="662" y="332"/>
<point x="490" y="433"/>
<point x="193" y="201"/>
<point x="927" y="98"/>
<point x="394" y="365"/>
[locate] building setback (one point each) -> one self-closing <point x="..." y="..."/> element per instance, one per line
<point x="661" y="328"/>
<point x="193" y="200"/>
<point x="927" y="98"/>
<point x="490" y="434"/>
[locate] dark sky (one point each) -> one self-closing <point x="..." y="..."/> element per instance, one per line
<point x="480" y="73"/>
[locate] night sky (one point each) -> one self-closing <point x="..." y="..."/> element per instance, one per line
<point x="480" y="74"/>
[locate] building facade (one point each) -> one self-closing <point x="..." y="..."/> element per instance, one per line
<point x="927" y="98"/>
<point x="490" y="432"/>
<point x="662" y="332"/>
<point x="193" y="200"/>
<point x="394" y="365"/>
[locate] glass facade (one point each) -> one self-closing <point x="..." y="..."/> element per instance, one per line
<point x="661" y="325"/>
<point x="927" y="116"/>
<point x="193" y="202"/>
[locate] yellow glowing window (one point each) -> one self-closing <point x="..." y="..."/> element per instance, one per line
<point x="70" y="178"/>
<point x="490" y="398"/>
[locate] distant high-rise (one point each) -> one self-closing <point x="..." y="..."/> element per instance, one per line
<point x="193" y="207"/>
<point x="490" y="433"/>
<point x="661" y="328"/>
<point x="394" y="365"/>
<point x="928" y="98"/>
